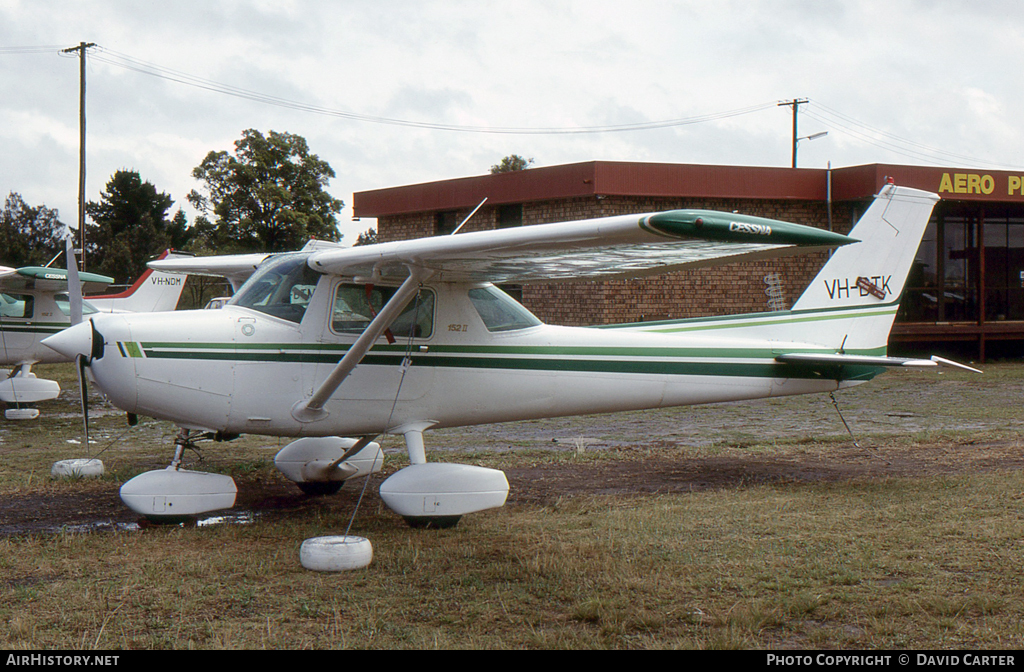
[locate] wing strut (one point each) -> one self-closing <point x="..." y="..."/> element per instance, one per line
<point x="312" y="409"/>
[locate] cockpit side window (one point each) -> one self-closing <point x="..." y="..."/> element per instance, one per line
<point x="281" y="287"/>
<point x="356" y="305"/>
<point x="499" y="311"/>
<point x="17" y="305"/>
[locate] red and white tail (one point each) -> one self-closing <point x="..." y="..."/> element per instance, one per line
<point x="154" y="291"/>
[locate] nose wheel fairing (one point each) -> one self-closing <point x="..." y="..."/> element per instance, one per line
<point x="174" y="493"/>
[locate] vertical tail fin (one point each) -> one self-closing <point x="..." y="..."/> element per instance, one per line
<point x="153" y="291"/>
<point x="867" y="278"/>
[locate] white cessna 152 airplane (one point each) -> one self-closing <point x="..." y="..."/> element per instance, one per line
<point x="405" y="336"/>
<point x="34" y="304"/>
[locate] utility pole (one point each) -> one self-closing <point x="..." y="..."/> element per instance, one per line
<point x="81" y="49"/>
<point x="795" y="104"/>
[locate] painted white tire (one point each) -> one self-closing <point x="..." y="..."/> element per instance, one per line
<point x="80" y="467"/>
<point x="335" y="554"/>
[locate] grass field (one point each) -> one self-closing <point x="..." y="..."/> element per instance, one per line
<point x="898" y="560"/>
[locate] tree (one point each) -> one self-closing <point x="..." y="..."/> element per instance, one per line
<point x="130" y="227"/>
<point x="268" y="197"/>
<point x="368" y="237"/>
<point x="511" y="164"/>
<point x="29" y="236"/>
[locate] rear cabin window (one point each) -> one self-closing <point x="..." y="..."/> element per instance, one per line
<point x="356" y="305"/>
<point x="64" y="304"/>
<point x="499" y="311"/>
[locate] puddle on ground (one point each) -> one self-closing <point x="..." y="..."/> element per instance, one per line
<point x="240" y="518"/>
<point x="227" y="518"/>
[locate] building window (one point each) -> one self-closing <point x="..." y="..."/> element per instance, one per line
<point x="444" y="223"/>
<point x="1004" y="268"/>
<point x="510" y="216"/>
<point x="945" y="282"/>
<point x="942" y="286"/>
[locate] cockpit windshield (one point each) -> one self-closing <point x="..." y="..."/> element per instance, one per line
<point x="281" y="287"/>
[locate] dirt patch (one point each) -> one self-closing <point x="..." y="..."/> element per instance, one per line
<point x="95" y="505"/>
<point x="544" y="484"/>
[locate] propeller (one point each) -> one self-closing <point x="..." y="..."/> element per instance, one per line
<point x="83" y="388"/>
<point x="75" y="301"/>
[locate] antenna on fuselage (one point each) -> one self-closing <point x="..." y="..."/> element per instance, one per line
<point x="468" y="216"/>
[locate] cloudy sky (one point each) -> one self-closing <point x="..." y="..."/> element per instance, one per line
<point x="394" y="92"/>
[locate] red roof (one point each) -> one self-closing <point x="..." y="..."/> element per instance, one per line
<point x="619" y="178"/>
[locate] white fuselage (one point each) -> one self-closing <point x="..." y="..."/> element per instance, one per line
<point x="238" y="370"/>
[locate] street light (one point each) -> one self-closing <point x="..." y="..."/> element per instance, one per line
<point x="813" y="136"/>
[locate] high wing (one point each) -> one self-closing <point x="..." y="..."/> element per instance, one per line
<point x="606" y="248"/>
<point x="48" y="279"/>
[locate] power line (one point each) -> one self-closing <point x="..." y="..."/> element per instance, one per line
<point x="890" y="141"/>
<point x="129" y="63"/>
<point x="44" y="49"/>
<point x="830" y="117"/>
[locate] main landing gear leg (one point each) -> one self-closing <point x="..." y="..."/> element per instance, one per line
<point x="414" y="446"/>
<point x="181" y="441"/>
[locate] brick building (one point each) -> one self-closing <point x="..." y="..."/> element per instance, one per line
<point x="972" y="256"/>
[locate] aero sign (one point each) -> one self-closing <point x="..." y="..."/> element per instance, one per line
<point x="981" y="184"/>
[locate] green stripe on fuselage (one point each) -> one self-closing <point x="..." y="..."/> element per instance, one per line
<point x="754" y="319"/>
<point x="695" y="361"/>
<point x="663" y="361"/>
<point x="47" y="328"/>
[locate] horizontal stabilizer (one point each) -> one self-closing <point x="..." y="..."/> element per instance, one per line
<point x="867" y="360"/>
